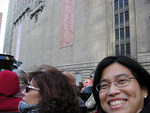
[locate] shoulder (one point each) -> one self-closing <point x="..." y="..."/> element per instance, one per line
<point x="146" y="109"/>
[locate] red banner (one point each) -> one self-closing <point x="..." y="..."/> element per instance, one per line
<point x="67" y="23"/>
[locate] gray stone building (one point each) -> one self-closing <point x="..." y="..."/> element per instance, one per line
<point x="76" y="34"/>
<point x="9" y="28"/>
<point x="1" y="15"/>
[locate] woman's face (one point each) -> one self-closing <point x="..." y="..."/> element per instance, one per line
<point x="32" y="96"/>
<point x="127" y="99"/>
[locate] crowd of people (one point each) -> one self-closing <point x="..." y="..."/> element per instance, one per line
<point x="120" y="85"/>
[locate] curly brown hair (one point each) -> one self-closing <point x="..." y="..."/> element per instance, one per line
<point x="57" y="93"/>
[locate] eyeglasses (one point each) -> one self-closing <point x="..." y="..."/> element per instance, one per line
<point x="121" y="81"/>
<point x="31" y="87"/>
<point x="85" y="82"/>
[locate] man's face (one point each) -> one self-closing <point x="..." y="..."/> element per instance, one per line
<point x="85" y="83"/>
<point x="89" y="82"/>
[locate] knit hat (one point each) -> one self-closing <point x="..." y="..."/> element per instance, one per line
<point x="9" y="83"/>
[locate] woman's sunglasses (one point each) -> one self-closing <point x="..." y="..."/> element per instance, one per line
<point x="28" y="88"/>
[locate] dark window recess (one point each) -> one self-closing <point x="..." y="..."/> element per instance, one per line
<point x="116" y="4"/>
<point x="121" y="17"/>
<point x="127" y="16"/>
<point x="121" y="33"/>
<point x="127" y="32"/>
<point x="117" y="34"/>
<point x="127" y="48"/>
<point x="116" y="19"/>
<point x="126" y="2"/>
<point x="117" y="49"/>
<point x="122" y="49"/>
<point x="121" y="3"/>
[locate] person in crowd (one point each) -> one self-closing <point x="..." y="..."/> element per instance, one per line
<point x="89" y="84"/>
<point x="91" y="104"/>
<point x="48" y="91"/>
<point x="9" y="87"/>
<point x="121" y="85"/>
<point x="72" y="80"/>
<point x="80" y="85"/>
<point x="86" y="91"/>
<point x="84" y="85"/>
<point x="22" y="80"/>
<point x="89" y="99"/>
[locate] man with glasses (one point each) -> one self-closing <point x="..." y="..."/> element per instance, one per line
<point x="89" y="84"/>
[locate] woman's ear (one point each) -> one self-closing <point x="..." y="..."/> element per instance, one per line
<point x="145" y="92"/>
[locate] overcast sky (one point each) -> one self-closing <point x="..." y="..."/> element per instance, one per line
<point x="3" y="9"/>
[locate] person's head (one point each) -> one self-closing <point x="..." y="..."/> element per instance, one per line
<point x="121" y="85"/>
<point x="80" y="85"/>
<point x="84" y="83"/>
<point x="72" y="78"/>
<point x="9" y="83"/>
<point x="22" y="76"/>
<point x="50" y="90"/>
<point x="89" y="82"/>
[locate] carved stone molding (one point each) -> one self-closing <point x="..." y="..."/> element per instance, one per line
<point x="21" y="15"/>
<point x="78" y="67"/>
<point x="33" y="10"/>
<point x="38" y="8"/>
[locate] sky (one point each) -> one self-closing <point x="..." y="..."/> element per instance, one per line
<point x="3" y="9"/>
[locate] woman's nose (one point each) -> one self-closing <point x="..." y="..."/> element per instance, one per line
<point x="113" y="90"/>
<point x="23" y="92"/>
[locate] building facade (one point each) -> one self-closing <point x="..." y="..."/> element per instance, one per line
<point x="9" y="28"/>
<point x="1" y="15"/>
<point x="76" y="34"/>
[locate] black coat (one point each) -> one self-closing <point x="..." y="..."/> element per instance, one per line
<point x="146" y="109"/>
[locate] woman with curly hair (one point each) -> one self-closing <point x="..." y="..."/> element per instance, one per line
<point x="48" y="91"/>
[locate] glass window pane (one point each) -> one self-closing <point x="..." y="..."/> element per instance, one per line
<point x="116" y="4"/>
<point x="116" y="19"/>
<point x="117" y="34"/>
<point x="121" y="18"/>
<point x="121" y="33"/>
<point x="127" y="32"/>
<point x="122" y="49"/>
<point x="126" y="16"/>
<point x="127" y="48"/>
<point x="126" y="2"/>
<point x="121" y="3"/>
<point x="117" y="50"/>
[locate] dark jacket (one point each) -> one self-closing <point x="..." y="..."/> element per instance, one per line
<point x="87" y="89"/>
<point x="146" y="109"/>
